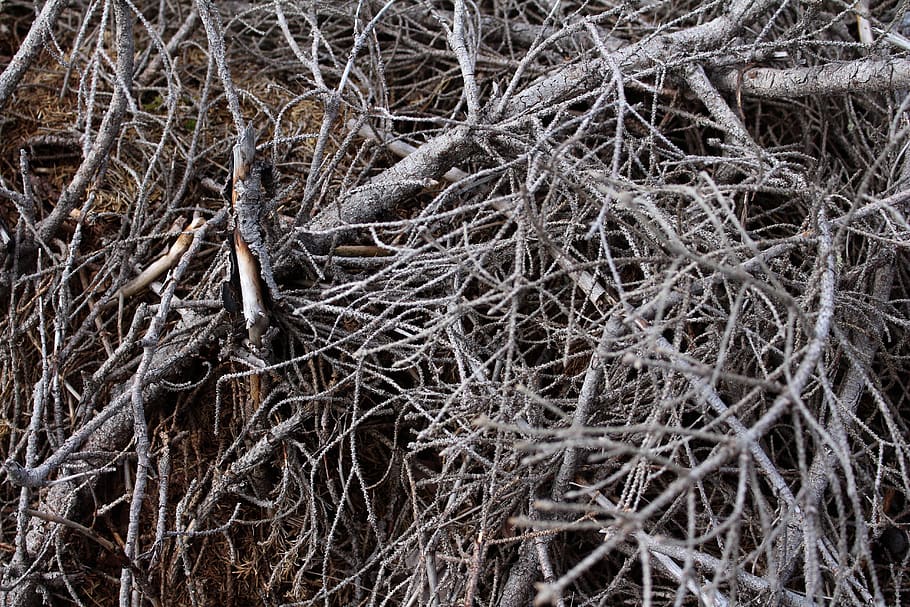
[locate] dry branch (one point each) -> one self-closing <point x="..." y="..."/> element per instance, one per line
<point x="646" y="345"/>
<point x="37" y="34"/>
<point x="108" y="130"/>
<point x="164" y="263"/>
<point x="407" y="178"/>
<point x="108" y="432"/>
<point x="857" y="76"/>
<point x="252" y="259"/>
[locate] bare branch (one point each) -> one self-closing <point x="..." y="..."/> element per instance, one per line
<point x="29" y="49"/>
<point x="559" y="289"/>
<point x="857" y="76"/>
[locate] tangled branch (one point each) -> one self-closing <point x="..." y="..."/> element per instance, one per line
<point x="511" y="302"/>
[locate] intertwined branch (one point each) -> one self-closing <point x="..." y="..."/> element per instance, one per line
<point x="428" y="303"/>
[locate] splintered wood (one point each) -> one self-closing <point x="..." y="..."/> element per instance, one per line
<point x="252" y="267"/>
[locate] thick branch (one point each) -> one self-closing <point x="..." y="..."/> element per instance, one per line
<point x="408" y="177"/>
<point x="860" y="76"/>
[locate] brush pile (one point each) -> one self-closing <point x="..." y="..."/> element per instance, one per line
<point x="432" y="303"/>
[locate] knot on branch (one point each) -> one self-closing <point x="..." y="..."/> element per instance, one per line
<point x="21" y="476"/>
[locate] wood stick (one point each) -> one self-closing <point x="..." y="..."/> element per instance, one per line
<point x="249" y="268"/>
<point x="164" y="263"/>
